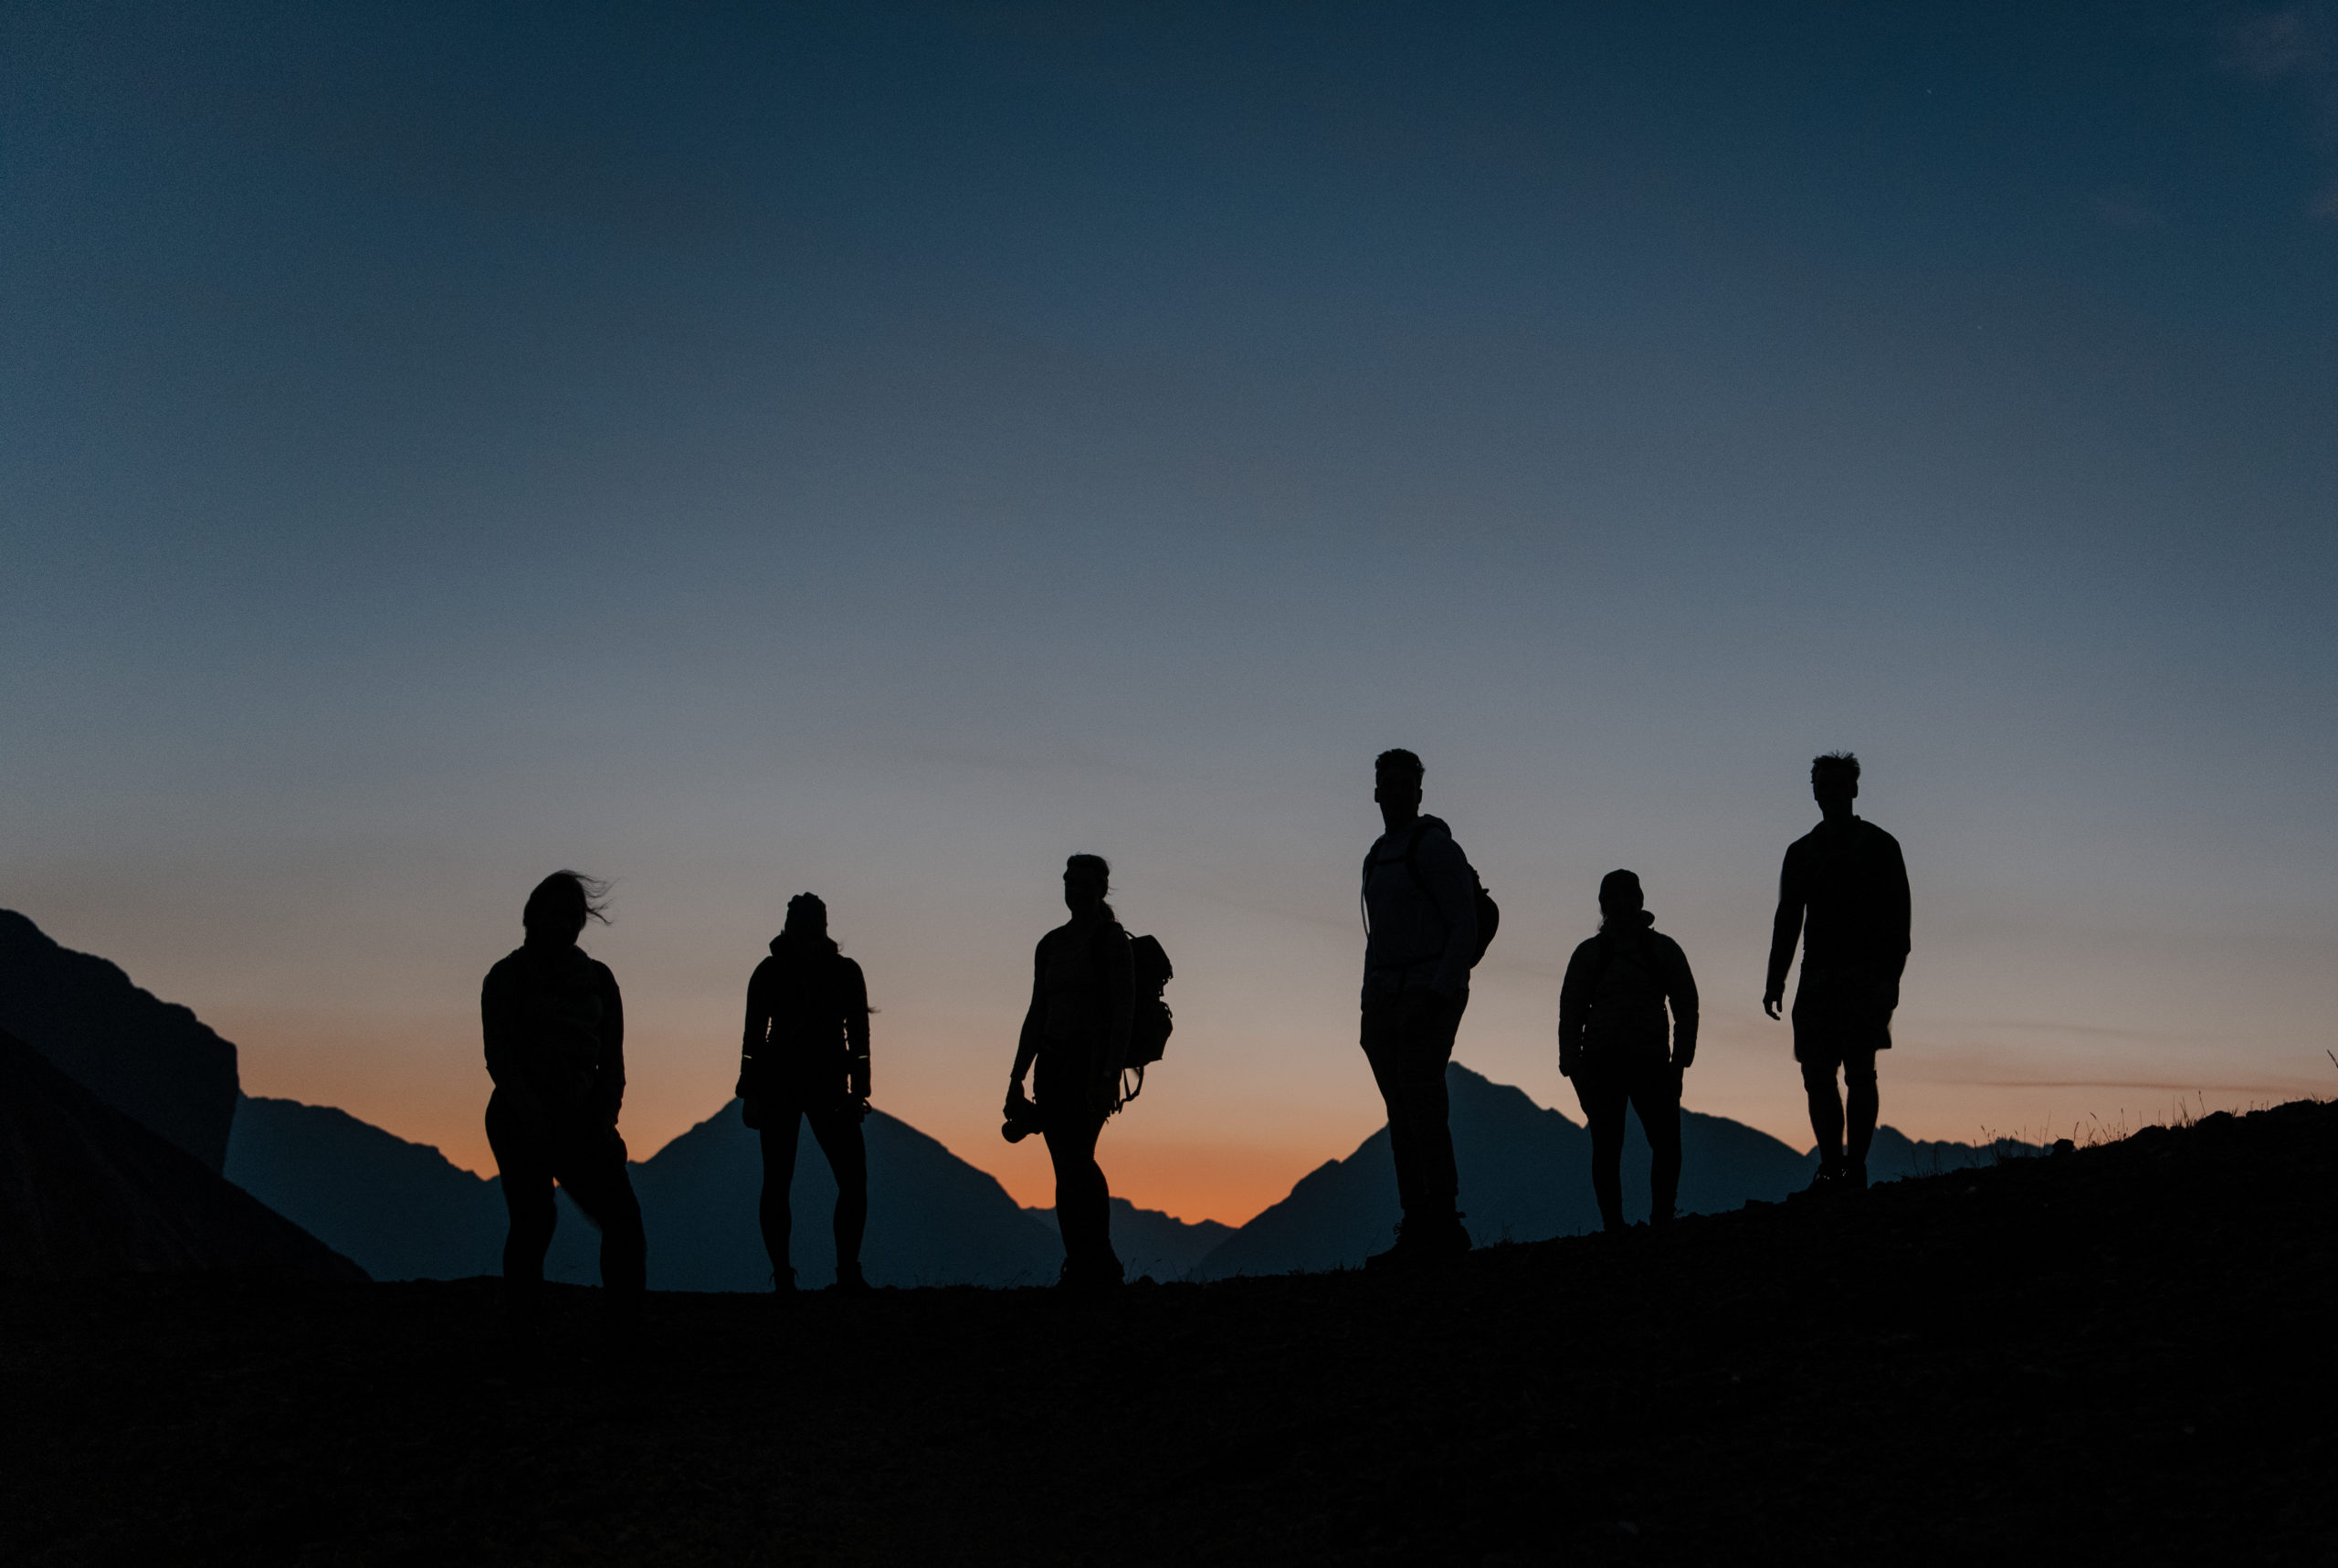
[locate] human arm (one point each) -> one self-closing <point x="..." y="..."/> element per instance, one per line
<point x="1786" y="930"/>
<point x="757" y="1029"/>
<point x="1445" y="875"/>
<point x="1575" y="1007"/>
<point x="1027" y="1046"/>
<point x="856" y="1030"/>
<point x="609" y="1084"/>
<point x="1681" y="990"/>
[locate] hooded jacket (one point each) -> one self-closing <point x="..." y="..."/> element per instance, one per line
<point x="1421" y="924"/>
<point x="1612" y="1001"/>
<point x="554" y="1028"/>
<point x="807" y="1022"/>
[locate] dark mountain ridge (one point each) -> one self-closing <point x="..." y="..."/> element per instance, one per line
<point x="86" y="1190"/>
<point x="153" y="1061"/>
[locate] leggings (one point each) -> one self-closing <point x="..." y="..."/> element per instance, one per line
<point x="1652" y="1088"/>
<point x="837" y="1127"/>
<point x="1083" y="1198"/>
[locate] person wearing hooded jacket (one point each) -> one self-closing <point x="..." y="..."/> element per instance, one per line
<point x="554" y="1025"/>
<point x="1613" y="1045"/>
<point x="805" y="1057"/>
<point x="1420" y="941"/>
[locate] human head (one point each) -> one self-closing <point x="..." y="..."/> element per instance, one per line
<point x="1396" y="779"/>
<point x="1086" y="880"/>
<point x="1619" y="894"/>
<point x="1834" y="781"/>
<point x="556" y="911"/>
<point x="808" y="915"/>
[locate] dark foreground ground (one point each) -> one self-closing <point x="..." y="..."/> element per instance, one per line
<point x="2123" y="1353"/>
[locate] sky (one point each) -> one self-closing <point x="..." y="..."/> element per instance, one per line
<point x="880" y="450"/>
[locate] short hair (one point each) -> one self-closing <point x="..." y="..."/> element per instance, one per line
<point x="1396" y="760"/>
<point x="1620" y="891"/>
<point x="564" y="900"/>
<point x="807" y="908"/>
<point x="1088" y="866"/>
<point x="1843" y="762"/>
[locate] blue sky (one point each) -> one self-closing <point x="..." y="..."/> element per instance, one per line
<point x="884" y="449"/>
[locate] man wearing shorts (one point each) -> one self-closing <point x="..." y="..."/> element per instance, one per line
<point x="1844" y="894"/>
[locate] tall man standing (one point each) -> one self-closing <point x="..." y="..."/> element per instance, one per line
<point x="1420" y="900"/>
<point x="1844" y="892"/>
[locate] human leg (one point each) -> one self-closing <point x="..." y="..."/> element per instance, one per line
<point x="838" y="1130"/>
<point x="1083" y="1198"/>
<point x="1603" y="1117"/>
<point x="524" y="1170"/>
<point x="1825" y="1115"/>
<point x="783" y="1120"/>
<point x="1384" y="1050"/>
<point x="1656" y="1099"/>
<point x="591" y="1168"/>
<point x="1865" y="1105"/>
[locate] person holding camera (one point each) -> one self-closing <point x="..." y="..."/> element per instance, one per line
<point x="1076" y="1032"/>
<point x="805" y="1057"/>
<point x="1616" y="1047"/>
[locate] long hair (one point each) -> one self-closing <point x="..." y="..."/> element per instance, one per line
<point x="563" y="901"/>
<point x="1094" y="866"/>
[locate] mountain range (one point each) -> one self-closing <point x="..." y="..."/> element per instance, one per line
<point x="402" y="1210"/>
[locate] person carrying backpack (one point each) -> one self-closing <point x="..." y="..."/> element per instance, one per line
<point x="1426" y="923"/>
<point x="805" y="1057"/>
<point x="1613" y="1045"/>
<point x="1076" y="1031"/>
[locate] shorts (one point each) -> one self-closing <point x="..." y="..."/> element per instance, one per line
<point x="1840" y="1014"/>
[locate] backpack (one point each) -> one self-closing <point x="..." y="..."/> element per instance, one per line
<point x="1489" y="912"/>
<point x="1150" y="1024"/>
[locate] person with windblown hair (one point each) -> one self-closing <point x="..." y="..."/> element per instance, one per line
<point x="1076" y="1031"/>
<point x="554" y="1029"/>
<point x="1616" y="1047"/>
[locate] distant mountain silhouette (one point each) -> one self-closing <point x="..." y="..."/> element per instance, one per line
<point x="85" y="1190"/>
<point x="1526" y="1176"/>
<point x="402" y="1210"/>
<point x="933" y="1219"/>
<point x="151" y="1059"/>
<point x="1152" y="1242"/>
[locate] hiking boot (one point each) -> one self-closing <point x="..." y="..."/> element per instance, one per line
<point x="850" y="1281"/>
<point x="1423" y="1242"/>
<point x="1829" y="1179"/>
<point x="1398" y="1255"/>
<point x="1855" y="1175"/>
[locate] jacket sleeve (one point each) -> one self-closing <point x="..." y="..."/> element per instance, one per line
<point x="1786" y="927"/>
<point x="1896" y="911"/>
<point x="757" y="1029"/>
<point x="1574" y="1003"/>
<point x="1445" y="871"/>
<point x="611" y="1085"/>
<point x="856" y="1027"/>
<point x="499" y="1029"/>
<point x="1681" y="990"/>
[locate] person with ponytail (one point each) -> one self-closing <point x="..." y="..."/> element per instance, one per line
<point x="1076" y="1032"/>
<point x="554" y="1029"/>
<point x="1617" y="1047"/>
<point x="805" y="1057"/>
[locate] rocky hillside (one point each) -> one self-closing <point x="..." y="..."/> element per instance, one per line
<point x="2121" y="1353"/>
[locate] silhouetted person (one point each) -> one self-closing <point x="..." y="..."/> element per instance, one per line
<point x="805" y="1057"/>
<point x="554" y="1028"/>
<point x="1617" y="1048"/>
<point x="1844" y="891"/>
<point x="1076" y="1030"/>
<point x="1421" y="939"/>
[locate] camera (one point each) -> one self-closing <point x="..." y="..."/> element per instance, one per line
<point x="1022" y="1117"/>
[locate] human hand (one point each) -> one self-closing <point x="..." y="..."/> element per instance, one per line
<point x="1770" y="1000"/>
<point x="861" y="1107"/>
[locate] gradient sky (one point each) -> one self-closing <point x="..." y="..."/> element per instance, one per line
<point x="883" y="450"/>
